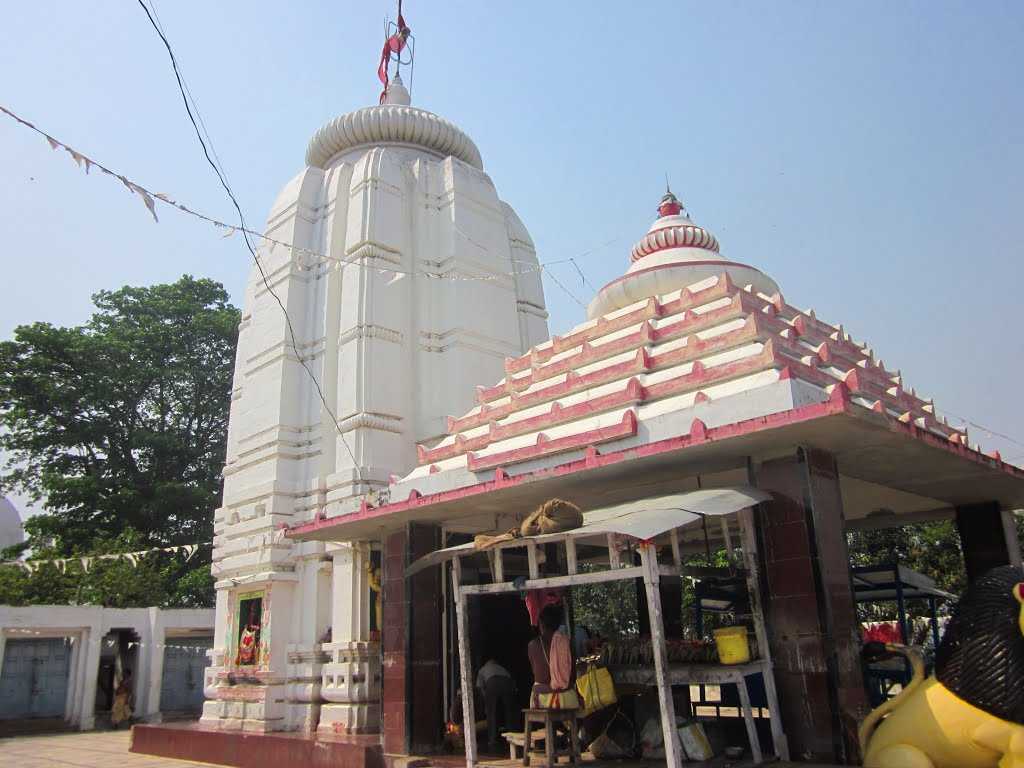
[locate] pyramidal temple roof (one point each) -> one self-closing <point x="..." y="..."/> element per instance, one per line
<point x="693" y="345"/>
<point x="687" y="354"/>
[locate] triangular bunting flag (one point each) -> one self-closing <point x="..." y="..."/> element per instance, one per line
<point x="190" y="549"/>
<point x="148" y="200"/>
<point x="86" y="562"/>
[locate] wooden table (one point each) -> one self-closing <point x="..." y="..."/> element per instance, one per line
<point x="714" y="674"/>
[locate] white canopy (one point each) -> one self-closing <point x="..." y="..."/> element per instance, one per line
<point x="645" y="519"/>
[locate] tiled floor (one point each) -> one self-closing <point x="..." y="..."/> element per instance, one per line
<point x="93" y="749"/>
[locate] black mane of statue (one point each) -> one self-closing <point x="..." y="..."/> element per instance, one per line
<point x="981" y="656"/>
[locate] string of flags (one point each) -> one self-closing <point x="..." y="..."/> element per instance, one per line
<point x="305" y="258"/>
<point x="86" y="562"/>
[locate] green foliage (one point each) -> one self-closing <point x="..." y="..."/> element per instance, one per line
<point x="607" y="609"/>
<point x="120" y="426"/>
<point x="929" y="548"/>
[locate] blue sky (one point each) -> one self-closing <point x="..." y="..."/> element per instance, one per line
<point x="868" y="156"/>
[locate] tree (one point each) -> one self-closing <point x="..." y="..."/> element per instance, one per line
<point x="120" y="427"/>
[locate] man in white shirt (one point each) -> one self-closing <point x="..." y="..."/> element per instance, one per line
<point x="498" y="687"/>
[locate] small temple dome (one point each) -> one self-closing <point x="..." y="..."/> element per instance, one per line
<point x="392" y="122"/>
<point x="673" y="254"/>
<point x="11" y="531"/>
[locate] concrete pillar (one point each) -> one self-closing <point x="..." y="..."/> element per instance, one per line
<point x="812" y="626"/>
<point x="988" y="537"/>
<point x="352" y="677"/>
<point x="91" y="640"/>
<point x="76" y="655"/>
<point x="155" y="652"/>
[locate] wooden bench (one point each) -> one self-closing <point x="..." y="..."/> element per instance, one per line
<point x="548" y="718"/>
<point x="518" y="739"/>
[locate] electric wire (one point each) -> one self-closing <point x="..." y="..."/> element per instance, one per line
<point x="248" y="243"/>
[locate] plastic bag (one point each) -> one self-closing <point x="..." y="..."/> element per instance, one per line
<point x="597" y="690"/>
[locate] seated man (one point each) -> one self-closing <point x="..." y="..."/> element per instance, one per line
<point x="498" y="687"/>
<point x="551" y="661"/>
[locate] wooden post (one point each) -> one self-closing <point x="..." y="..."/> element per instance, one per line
<point x="748" y="540"/>
<point x="748" y="719"/>
<point x="570" y="556"/>
<point x="531" y="559"/>
<point x="726" y="537"/>
<point x="499" y="566"/>
<point x="677" y="555"/>
<point x="652" y="578"/>
<point x="465" y="665"/>
<point x="614" y="561"/>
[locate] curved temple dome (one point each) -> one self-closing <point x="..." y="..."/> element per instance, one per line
<point x="674" y="253"/>
<point x="393" y="122"/>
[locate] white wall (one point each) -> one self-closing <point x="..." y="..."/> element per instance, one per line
<point x="86" y="626"/>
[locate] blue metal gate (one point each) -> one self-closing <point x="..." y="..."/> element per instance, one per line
<point x="181" y="689"/>
<point x="34" y="681"/>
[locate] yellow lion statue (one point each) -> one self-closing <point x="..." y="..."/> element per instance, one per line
<point x="970" y="713"/>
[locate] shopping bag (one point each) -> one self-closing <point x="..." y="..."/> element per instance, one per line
<point x="597" y="689"/>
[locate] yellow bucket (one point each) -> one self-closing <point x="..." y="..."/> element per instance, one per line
<point x="733" y="647"/>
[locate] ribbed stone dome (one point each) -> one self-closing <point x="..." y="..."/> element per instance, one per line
<point x="393" y="122"/>
<point x="673" y="254"/>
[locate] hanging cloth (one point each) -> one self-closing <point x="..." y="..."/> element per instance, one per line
<point x="560" y="662"/>
<point x="537" y="599"/>
<point x="394" y="44"/>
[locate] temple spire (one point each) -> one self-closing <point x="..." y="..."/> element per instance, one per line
<point x="670" y="205"/>
<point x="397" y="37"/>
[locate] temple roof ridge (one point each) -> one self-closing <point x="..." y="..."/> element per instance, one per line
<point x="704" y="343"/>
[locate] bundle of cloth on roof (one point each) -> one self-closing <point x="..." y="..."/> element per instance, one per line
<point x="553" y="516"/>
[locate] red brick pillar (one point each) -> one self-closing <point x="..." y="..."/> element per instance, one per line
<point x="412" y="684"/>
<point x="812" y="626"/>
<point x="394" y="639"/>
<point x="426" y="683"/>
<point x="988" y="537"/>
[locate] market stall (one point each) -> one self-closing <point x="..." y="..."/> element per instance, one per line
<point x="653" y="530"/>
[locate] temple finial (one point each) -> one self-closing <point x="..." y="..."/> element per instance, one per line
<point x="670" y="205"/>
<point x="398" y="38"/>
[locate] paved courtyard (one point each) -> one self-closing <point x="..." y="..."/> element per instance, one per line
<point x="93" y="749"/>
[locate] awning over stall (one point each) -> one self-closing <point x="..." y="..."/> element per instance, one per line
<point x="645" y="519"/>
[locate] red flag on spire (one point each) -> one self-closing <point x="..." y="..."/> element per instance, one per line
<point x="394" y="44"/>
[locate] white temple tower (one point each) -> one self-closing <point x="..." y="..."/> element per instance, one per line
<point x="409" y="281"/>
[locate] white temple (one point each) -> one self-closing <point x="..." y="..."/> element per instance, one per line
<point x="409" y="282"/>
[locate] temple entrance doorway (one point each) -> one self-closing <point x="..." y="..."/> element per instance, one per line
<point x="119" y="651"/>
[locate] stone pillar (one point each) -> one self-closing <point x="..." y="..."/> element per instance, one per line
<point x="352" y="677"/>
<point x="811" y="620"/>
<point x="988" y="537"/>
<point x="306" y="654"/>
